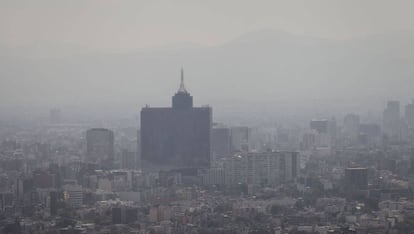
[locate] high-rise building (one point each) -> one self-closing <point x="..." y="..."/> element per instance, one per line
<point x="177" y="137"/>
<point x="351" y="125"/>
<point x="240" y="138"/>
<point x="138" y="158"/>
<point x="409" y="114"/>
<point x="128" y="160"/>
<point x="220" y="142"/>
<point x="100" y="147"/>
<point x="391" y="120"/>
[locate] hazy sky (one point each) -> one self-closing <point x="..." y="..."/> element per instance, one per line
<point x="131" y="24"/>
<point x="284" y="65"/>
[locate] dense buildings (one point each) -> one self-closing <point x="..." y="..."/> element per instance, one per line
<point x="100" y="147"/>
<point x="364" y="184"/>
<point x="257" y="181"/>
<point x="177" y="137"/>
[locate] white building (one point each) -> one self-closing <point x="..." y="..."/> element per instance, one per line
<point x="261" y="168"/>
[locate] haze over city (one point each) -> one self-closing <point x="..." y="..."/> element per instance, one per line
<point x="209" y="117"/>
<point x="117" y="55"/>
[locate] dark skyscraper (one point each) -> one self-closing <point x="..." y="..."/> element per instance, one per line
<point x="100" y="146"/>
<point x="177" y="137"/>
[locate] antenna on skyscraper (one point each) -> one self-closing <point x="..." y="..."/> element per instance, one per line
<point x="182" y="75"/>
<point x="182" y="87"/>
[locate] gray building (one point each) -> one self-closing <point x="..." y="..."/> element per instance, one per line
<point x="240" y="138"/>
<point x="176" y="137"/>
<point x="356" y="179"/>
<point x="391" y="121"/>
<point x="100" y="147"/>
<point x="220" y="142"/>
<point x="409" y="114"/>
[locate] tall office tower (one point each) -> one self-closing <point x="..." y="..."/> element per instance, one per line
<point x="55" y="116"/>
<point x="351" y="128"/>
<point x="240" y="138"/>
<point x="409" y="114"/>
<point x="391" y="120"/>
<point x="356" y="178"/>
<point x="220" y="142"/>
<point x="100" y="147"/>
<point x="177" y="137"/>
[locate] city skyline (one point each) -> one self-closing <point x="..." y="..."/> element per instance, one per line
<point x="291" y="117"/>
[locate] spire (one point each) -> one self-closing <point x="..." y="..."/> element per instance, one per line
<point x="182" y="87"/>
